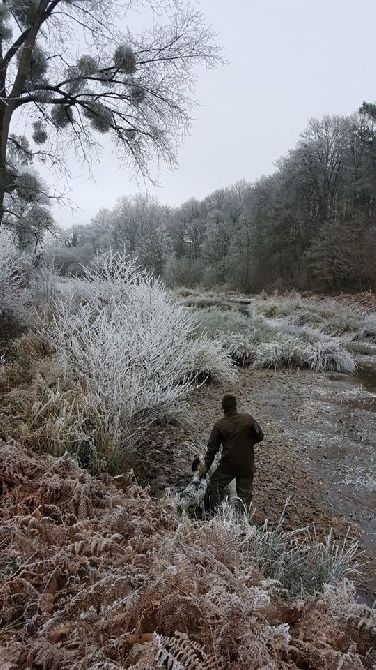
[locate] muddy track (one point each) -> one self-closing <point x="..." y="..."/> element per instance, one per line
<point x="319" y="451"/>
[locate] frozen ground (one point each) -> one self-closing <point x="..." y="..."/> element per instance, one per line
<point x="320" y="448"/>
<point x="319" y="451"/>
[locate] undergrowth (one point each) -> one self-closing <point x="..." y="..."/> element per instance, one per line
<point x="97" y="575"/>
<point x="329" y="316"/>
<point x="121" y="355"/>
<point x="254" y="340"/>
<point x="125" y="355"/>
<point x="14" y="268"/>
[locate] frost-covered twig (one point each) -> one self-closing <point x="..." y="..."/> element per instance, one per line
<point x="129" y="346"/>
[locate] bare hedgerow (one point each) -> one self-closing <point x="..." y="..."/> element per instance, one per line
<point x="128" y="348"/>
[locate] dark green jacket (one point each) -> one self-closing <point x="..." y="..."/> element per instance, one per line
<point x="236" y="434"/>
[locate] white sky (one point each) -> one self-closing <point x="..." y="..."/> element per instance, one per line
<point x="289" y="60"/>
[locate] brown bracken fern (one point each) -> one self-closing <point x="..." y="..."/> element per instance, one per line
<point x="93" y="577"/>
<point x="180" y="653"/>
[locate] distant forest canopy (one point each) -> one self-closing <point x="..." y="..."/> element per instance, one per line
<point x="311" y="225"/>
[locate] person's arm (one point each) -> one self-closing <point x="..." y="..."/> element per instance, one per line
<point x="257" y="433"/>
<point x="214" y="445"/>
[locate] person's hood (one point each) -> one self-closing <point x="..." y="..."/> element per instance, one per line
<point x="232" y="411"/>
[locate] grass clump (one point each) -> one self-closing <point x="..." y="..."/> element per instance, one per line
<point x="367" y="333"/>
<point x="203" y="300"/>
<point x="300" y="564"/>
<point x="311" y="350"/>
<point x="254" y="340"/>
<point x="328" y="316"/>
<point x="279" y="306"/>
<point x="239" y="333"/>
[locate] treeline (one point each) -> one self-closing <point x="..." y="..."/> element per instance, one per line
<point x="311" y="225"/>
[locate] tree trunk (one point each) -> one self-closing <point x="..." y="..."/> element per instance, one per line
<point x="4" y="133"/>
<point x="10" y="102"/>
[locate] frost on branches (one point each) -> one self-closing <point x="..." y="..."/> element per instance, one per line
<point x="135" y="88"/>
<point x="131" y="350"/>
<point x="12" y="292"/>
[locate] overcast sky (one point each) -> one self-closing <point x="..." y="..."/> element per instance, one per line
<point x="288" y="61"/>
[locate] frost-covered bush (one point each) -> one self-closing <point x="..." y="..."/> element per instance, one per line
<point x="13" y="295"/>
<point x="130" y="347"/>
<point x="47" y="287"/>
<point x="368" y="330"/>
<point x="10" y="279"/>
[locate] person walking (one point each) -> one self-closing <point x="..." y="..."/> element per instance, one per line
<point x="237" y="434"/>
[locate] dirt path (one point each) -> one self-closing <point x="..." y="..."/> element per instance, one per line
<point x="319" y="451"/>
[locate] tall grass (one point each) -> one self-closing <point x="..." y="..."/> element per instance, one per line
<point x="255" y="340"/>
<point x="299" y="562"/>
<point x="329" y="316"/>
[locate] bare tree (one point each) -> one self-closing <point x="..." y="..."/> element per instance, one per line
<point x="310" y="225"/>
<point x="73" y="75"/>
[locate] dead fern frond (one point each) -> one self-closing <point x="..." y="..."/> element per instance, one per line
<point x="181" y="653"/>
<point x="86" y="568"/>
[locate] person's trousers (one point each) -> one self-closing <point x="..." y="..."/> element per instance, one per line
<point x="220" y="479"/>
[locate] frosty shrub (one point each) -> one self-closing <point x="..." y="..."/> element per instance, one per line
<point x="45" y="286"/>
<point x="10" y="274"/>
<point x="129" y="346"/>
<point x="13" y="295"/>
